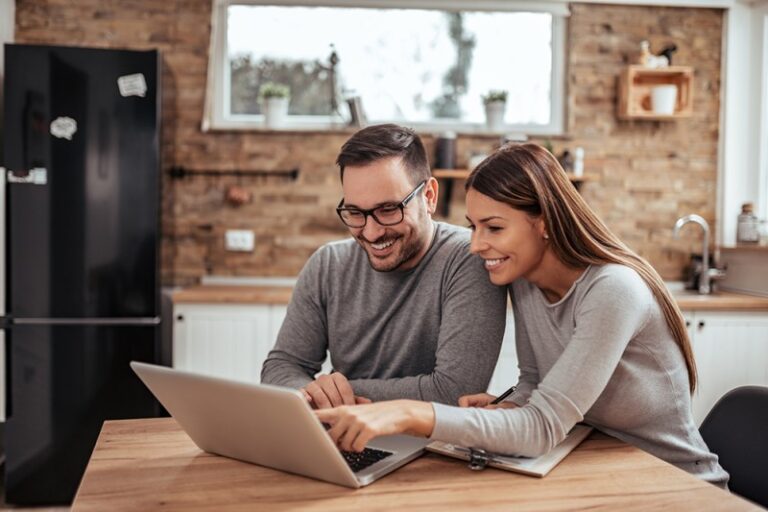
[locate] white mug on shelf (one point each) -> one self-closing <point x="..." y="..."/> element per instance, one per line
<point x="663" y="99"/>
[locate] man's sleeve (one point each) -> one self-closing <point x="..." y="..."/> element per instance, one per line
<point x="472" y="324"/>
<point x="302" y="342"/>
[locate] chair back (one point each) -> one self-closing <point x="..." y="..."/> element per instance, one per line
<point x="736" y="429"/>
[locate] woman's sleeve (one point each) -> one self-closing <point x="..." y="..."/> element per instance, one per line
<point x="612" y="312"/>
<point x="526" y="360"/>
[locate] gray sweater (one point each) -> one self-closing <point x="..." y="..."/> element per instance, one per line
<point x="603" y="355"/>
<point x="430" y="333"/>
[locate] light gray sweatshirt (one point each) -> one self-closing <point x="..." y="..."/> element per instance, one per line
<point x="399" y="334"/>
<point x="602" y="355"/>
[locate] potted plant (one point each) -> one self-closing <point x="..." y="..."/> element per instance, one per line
<point x="274" y="103"/>
<point x="495" y="105"/>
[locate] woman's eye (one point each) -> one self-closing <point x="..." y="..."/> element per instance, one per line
<point x="471" y="226"/>
<point x="494" y="229"/>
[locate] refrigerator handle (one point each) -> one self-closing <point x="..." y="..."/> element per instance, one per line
<point x="5" y="321"/>
<point x="3" y="203"/>
<point x="7" y="399"/>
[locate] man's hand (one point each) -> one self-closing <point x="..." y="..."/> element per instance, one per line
<point x="331" y="390"/>
<point x="484" y="400"/>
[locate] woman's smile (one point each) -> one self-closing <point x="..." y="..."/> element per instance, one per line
<point x="493" y="264"/>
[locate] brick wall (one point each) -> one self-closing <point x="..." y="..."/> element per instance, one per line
<point x="648" y="173"/>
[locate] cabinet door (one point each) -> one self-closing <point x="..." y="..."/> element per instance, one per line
<point x="506" y="372"/>
<point x="731" y="350"/>
<point x="222" y="340"/>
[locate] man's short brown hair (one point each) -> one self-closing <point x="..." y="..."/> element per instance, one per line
<point x="384" y="141"/>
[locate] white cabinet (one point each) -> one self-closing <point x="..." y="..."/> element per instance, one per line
<point x="233" y="340"/>
<point x="225" y="340"/>
<point x="731" y="350"/>
<point x="506" y="373"/>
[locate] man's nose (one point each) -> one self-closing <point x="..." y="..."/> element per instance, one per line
<point x="372" y="229"/>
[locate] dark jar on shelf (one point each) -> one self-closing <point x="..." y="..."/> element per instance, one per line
<point x="445" y="151"/>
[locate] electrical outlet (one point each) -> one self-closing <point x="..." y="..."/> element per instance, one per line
<point x="241" y="240"/>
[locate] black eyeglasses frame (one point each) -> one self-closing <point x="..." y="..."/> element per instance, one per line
<point x="401" y="205"/>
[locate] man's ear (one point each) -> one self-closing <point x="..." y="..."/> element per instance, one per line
<point x="430" y="195"/>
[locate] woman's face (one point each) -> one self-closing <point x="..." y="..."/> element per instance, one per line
<point x="510" y="241"/>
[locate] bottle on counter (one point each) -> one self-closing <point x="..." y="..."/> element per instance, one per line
<point x="748" y="227"/>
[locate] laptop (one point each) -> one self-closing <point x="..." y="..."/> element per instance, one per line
<point x="270" y="426"/>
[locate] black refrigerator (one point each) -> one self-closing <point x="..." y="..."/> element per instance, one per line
<point x="81" y="299"/>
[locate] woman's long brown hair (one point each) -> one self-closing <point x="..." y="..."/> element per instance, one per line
<point x="528" y="178"/>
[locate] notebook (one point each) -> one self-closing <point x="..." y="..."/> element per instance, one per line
<point x="536" y="466"/>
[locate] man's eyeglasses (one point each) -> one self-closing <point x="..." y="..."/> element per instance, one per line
<point x="385" y="215"/>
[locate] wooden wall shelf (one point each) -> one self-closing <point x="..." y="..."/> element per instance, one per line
<point x="636" y="82"/>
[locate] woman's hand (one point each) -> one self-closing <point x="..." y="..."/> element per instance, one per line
<point x="352" y="426"/>
<point x="484" y="400"/>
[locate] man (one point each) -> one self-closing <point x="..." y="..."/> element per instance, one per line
<point x="403" y="308"/>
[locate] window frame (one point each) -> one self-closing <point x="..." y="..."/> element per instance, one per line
<point x="217" y="101"/>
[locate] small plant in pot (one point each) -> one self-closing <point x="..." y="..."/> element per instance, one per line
<point x="495" y="106"/>
<point x="274" y="103"/>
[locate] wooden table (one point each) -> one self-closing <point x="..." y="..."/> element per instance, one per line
<point x="152" y="464"/>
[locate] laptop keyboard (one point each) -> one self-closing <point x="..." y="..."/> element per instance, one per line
<point x="360" y="461"/>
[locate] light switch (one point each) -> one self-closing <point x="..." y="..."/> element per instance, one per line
<point x="239" y="240"/>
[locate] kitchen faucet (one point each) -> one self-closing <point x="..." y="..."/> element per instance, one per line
<point x="707" y="274"/>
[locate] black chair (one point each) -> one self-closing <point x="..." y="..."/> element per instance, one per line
<point x="736" y="429"/>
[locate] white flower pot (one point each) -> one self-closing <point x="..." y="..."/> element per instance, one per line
<point x="275" y="111"/>
<point x="663" y="98"/>
<point x="494" y="115"/>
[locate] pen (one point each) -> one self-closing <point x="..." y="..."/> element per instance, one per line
<point x="504" y="395"/>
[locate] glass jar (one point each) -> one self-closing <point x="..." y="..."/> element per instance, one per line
<point x="747" y="229"/>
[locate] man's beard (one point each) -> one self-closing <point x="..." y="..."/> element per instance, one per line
<point x="394" y="261"/>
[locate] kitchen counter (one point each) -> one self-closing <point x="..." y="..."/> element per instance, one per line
<point x="269" y="294"/>
<point x="232" y="294"/>
<point x="720" y="301"/>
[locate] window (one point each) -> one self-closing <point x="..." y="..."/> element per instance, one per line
<point x="408" y="62"/>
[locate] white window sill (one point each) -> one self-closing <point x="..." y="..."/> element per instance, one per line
<point x="512" y="132"/>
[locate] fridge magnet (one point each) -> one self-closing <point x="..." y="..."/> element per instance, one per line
<point x="36" y="176"/>
<point x="63" y="127"/>
<point x="132" y="85"/>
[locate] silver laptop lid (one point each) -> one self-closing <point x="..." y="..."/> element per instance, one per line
<point x="261" y="424"/>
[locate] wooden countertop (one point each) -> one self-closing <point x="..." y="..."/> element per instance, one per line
<point x="221" y="294"/>
<point x="721" y="301"/>
<point x="151" y="464"/>
<point x="233" y="294"/>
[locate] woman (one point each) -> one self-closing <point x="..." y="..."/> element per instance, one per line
<point x="599" y="338"/>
